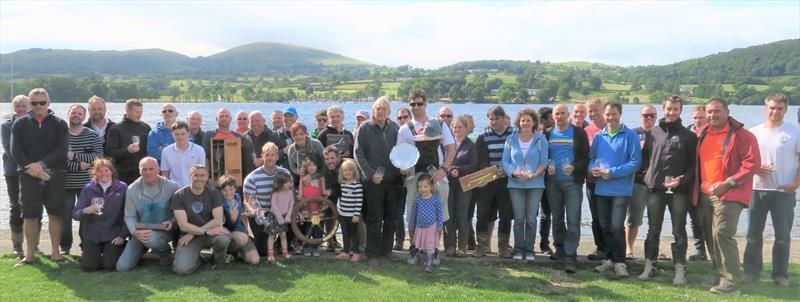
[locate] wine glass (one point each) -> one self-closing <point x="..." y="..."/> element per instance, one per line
<point x="566" y="161"/>
<point x="135" y="139"/>
<point x="551" y="167"/>
<point x="668" y="180"/>
<point x="599" y="167"/>
<point x="98" y="201"/>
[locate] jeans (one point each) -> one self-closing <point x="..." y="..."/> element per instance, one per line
<point x="349" y="235"/>
<point x="97" y="255"/>
<point x="719" y="220"/>
<point x="780" y="206"/>
<point x="158" y="242"/>
<point x="545" y="222"/>
<point x="457" y="228"/>
<point x="678" y="203"/>
<point x="70" y="196"/>
<point x="187" y="257"/>
<point x="526" y="208"/>
<point x="597" y="233"/>
<point x="697" y="230"/>
<point x="380" y="216"/>
<point x="400" y="232"/>
<point x="611" y="213"/>
<point x="565" y="201"/>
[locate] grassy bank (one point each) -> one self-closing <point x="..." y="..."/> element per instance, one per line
<point x="325" y="279"/>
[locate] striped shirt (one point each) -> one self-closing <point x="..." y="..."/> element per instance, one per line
<point x="351" y="199"/>
<point x="259" y="184"/>
<point x="87" y="147"/>
<point x="490" y="147"/>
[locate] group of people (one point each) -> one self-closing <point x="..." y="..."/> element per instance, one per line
<point x="135" y="188"/>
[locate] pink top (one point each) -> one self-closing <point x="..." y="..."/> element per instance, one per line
<point x="282" y="203"/>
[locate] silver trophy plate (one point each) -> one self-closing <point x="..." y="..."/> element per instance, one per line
<point x="404" y="156"/>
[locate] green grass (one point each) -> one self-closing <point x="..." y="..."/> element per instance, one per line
<point x="322" y="279"/>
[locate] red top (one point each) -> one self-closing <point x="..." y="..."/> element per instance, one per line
<point x="312" y="188"/>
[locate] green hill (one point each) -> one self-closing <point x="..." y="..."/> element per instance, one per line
<point x="274" y="57"/>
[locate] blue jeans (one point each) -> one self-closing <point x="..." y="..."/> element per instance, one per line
<point x="565" y="200"/>
<point x="159" y="243"/>
<point x="781" y="207"/>
<point x="611" y="213"/>
<point x="525" y="203"/>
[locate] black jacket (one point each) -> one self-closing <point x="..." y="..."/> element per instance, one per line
<point x="118" y="137"/>
<point x="373" y="145"/>
<point x="9" y="165"/>
<point x="109" y="123"/>
<point x="33" y="142"/>
<point x="251" y="147"/>
<point x="673" y="153"/>
<point x="580" y="152"/>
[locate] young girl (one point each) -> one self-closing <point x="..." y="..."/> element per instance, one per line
<point x="312" y="184"/>
<point x="233" y="208"/>
<point x="426" y="218"/>
<point x="349" y="206"/>
<point x="282" y="203"/>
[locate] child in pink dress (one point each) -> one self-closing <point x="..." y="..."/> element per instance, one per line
<point x="282" y="203"/>
<point x="426" y="218"/>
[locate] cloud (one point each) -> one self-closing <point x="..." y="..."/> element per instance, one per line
<point x="425" y="34"/>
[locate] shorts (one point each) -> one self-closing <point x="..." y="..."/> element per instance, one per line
<point x="637" y="203"/>
<point x="34" y="194"/>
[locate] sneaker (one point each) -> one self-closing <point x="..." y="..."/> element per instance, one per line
<point x="343" y="256"/>
<point x="298" y="250"/>
<point x="621" y="269"/>
<point x="18" y="252"/>
<point x="315" y="252"/>
<point x="699" y="255"/>
<point x="436" y="260"/>
<point x="570" y="268"/>
<point x="650" y="271"/>
<point x="412" y="257"/>
<point x="558" y="255"/>
<point x="64" y="251"/>
<point x="605" y="266"/>
<point x="680" y="275"/>
<point x="748" y="278"/>
<point x="725" y="289"/>
<point x="595" y="256"/>
<point x="517" y="256"/>
<point x="271" y="259"/>
<point x="307" y="252"/>
<point x="781" y="281"/>
<point x="530" y="257"/>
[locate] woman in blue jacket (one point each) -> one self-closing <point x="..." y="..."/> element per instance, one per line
<point x="101" y="210"/>
<point x="525" y="158"/>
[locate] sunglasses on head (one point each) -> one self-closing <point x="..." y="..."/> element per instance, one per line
<point x="167" y="110"/>
<point x="402" y="117"/>
<point x="445" y="115"/>
<point x="38" y="103"/>
<point x="649" y="115"/>
<point x="416" y="104"/>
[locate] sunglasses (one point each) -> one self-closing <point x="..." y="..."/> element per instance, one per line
<point x="241" y="119"/>
<point x="416" y="104"/>
<point x="322" y="121"/>
<point x="39" y="103"/>
<point x="649" y="115"/>
<point x="445" y="116"/>
<point x="402" y="117"/>
<point x="167" y="111"/>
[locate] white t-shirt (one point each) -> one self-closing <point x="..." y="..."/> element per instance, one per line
<point x="778" y="146"/>
<point x="406" y="135"/>
<point x="179" y="162"/>
<point x="525" y="146"/>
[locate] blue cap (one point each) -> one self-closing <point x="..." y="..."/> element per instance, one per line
<point x="290" y="110"/>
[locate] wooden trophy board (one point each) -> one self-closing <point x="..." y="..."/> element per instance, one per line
<point x="478" y="178"/>
<point x="226" y="158"/>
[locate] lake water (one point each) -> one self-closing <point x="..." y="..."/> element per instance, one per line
<point x="749" y="115"/>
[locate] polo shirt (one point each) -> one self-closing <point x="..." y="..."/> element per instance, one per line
<point x="179" y="162"/>
<point x="710" y="154"/>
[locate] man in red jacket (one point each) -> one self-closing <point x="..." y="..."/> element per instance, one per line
<point x="728" y="159"/>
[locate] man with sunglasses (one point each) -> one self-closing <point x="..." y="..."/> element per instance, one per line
<point x="242" y="122"/>
<point x="127" y="142"/>
<point x="39" y="147"/>
<point x="638" y="201"/>
<point x="446" y="115"/>
<point x="161" y="135"/>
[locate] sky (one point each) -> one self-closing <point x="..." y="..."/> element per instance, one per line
<point x="421" y="34"/>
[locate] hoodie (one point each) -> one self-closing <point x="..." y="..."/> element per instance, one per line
<point x="45" y="142"/>
<point x="623" y="155"/>
<point x="536" y="157"/>
<point x="159" y="137"/>
<point x="741" y="159"/>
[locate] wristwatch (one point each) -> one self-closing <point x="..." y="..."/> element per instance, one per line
<point x="730" y="182"/>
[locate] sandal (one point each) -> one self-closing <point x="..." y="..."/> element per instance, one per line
<point x="23" y="263"/>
